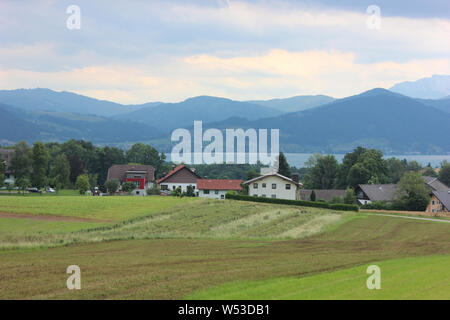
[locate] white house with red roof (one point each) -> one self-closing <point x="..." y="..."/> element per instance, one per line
<point x="217" y="188"/>
<point x="180" y="176"/>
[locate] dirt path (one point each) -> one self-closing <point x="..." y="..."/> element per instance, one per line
<point x="406" y="217"/>
<point x="48" y="217"/>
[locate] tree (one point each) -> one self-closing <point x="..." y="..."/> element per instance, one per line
<point x="350" y="159"/>
<point x="350" y="197"/>
<point x="2" y="173"/>
<point x="336" y="199"/>
<point x="444" y="174"/>
<point x="39" y="165"/>
<point x="128" y="186"/>
<point x="112" y="185"/>
<point x="154" y="190"/>
<point x="21" y="161"/>
<point x="412" y="194"/>
<point x="283" y="166"/>
<point x="82" y="183"/>
<point x="323" y="172"/>
<point x="312" y="197"/>
<point x="145" y="154"/>
<point x="76" y="167"/>
<point x="23" y="183"/>
<point x="429" y="171"/>
<point x="190" y="192"/>
<point x="358" y="174"/>
<point x="61" y="171"/>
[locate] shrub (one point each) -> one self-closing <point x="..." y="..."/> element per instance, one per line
<point x="128" y="186"/>
<point x="112" y="185"/>
<point x="82" y="183"/>
<point x="154" y="191"/>
<point x="302" y="203"/>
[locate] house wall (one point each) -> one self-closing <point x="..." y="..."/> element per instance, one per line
<point x="435" y="206"/>
<point x="280" y="192"/>
<point x="212" y="194"/>
<point x="173" y="185"/>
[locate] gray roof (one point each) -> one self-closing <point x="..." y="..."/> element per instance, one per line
<point x="119" y="171"/>
<point x="444" y="198"/>
<point x="326" y="194"/>
<point x="435" y="184"/>
<point x="379" y="192"/>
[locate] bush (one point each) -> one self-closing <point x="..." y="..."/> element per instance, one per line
<point x="302" y="203"/>
<point x="82" y="183"/>
<point x="377" y="205"/>
<point x="112" y="185"/>
<point x="128" y="186"/>
<point x="154" y="191"/>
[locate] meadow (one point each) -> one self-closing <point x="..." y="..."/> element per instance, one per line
<point x="172" y="248"/>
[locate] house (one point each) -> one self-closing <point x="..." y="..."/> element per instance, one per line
<point x="142" y="175"/>
<point x="439" y="202"/>
<point x="274" y="185"/>
<point x="5" y="156"/>
<point x="180" y="176"/>
<point x="367" y="193"/>
<point x="434" y="184"/>
<point x="217" y="188"/>
<point x="326" y="195"/>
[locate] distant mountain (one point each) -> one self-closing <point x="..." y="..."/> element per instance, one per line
<point x="169" y="116"/>
<point x="17" y="124"/>
<point x="297" y="103"/>
<point x="442" y="104"/>
<point x="435" y="87"/>
<point x="377" y="118"/>
<point x="49" y="100"/>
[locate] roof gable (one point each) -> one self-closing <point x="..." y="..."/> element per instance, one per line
<point x="379" y="192"/>
<point x="277" y="175"/>
<point x="175" y="176"/>
<point x="444" y="198"/>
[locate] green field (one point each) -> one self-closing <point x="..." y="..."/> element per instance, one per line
<point x="408" y="278"/>
<point x="172" y="248"/>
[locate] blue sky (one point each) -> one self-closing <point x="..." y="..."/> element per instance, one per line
<point x="139" y="51"/>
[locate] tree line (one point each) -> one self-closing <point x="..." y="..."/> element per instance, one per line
<point x="59" y="165"/>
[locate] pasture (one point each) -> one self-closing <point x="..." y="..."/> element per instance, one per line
<point x="172" y="248"/>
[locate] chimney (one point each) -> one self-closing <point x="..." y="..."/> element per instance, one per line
<point x="295" y="177"/>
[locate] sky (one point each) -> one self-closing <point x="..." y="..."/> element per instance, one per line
<point x="139" y="51"/>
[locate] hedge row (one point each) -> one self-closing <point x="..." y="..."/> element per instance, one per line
<point x="302" y="203"/>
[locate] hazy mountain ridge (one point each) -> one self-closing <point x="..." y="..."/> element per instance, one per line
<point x="435" y="87"/>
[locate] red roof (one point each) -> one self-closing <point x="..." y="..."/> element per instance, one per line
<point x="218" y="184"/>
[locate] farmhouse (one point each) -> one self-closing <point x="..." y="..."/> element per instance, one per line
<point x="5" y="156"/>
<point x="326" y="195"/>
<point x="217" y="188"/>
<point x="142" y="175"/>
<point x="274" y="185"/>
<point x="180" y="176"/>
<point x="440" y="202"/>
<point x="367" y="193"/>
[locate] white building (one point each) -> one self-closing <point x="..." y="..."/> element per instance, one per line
<point x="217" y="188"/>
<point x="180" y="176"/>
<point x="274" y="185"/>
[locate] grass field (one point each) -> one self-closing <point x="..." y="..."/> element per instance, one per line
<point x="408" y="278"/>
<point x="171" y="248"/>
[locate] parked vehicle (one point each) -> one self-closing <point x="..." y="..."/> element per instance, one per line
<point x="50" y="190"/>
<point x="34" y="190"/>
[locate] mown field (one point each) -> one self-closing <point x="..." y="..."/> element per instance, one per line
<point x="171" y="248"/>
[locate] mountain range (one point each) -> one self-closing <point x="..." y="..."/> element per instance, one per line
<point x="434" y="87"/>
<point x="379" y="118"/>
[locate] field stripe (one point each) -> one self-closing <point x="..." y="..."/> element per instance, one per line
<point x="406" y="217"/>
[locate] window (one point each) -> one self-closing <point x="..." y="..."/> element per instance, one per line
<point x="205" y="191"/>
<point x="216" y="191"/>
<point x="274" y="185"/>
<point x="164" y="187"/>
<point x="288" y="186"/>
<point x="255" y="185"/>
<point x="263" y="185"/>
<point x="222" y="196"/>
<point x="432" y="202"/>
<point x="255" y="195"/>
<point x="274" y="196"/>
<point x="173" y="187"/>
<point x="264" y="196"/>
